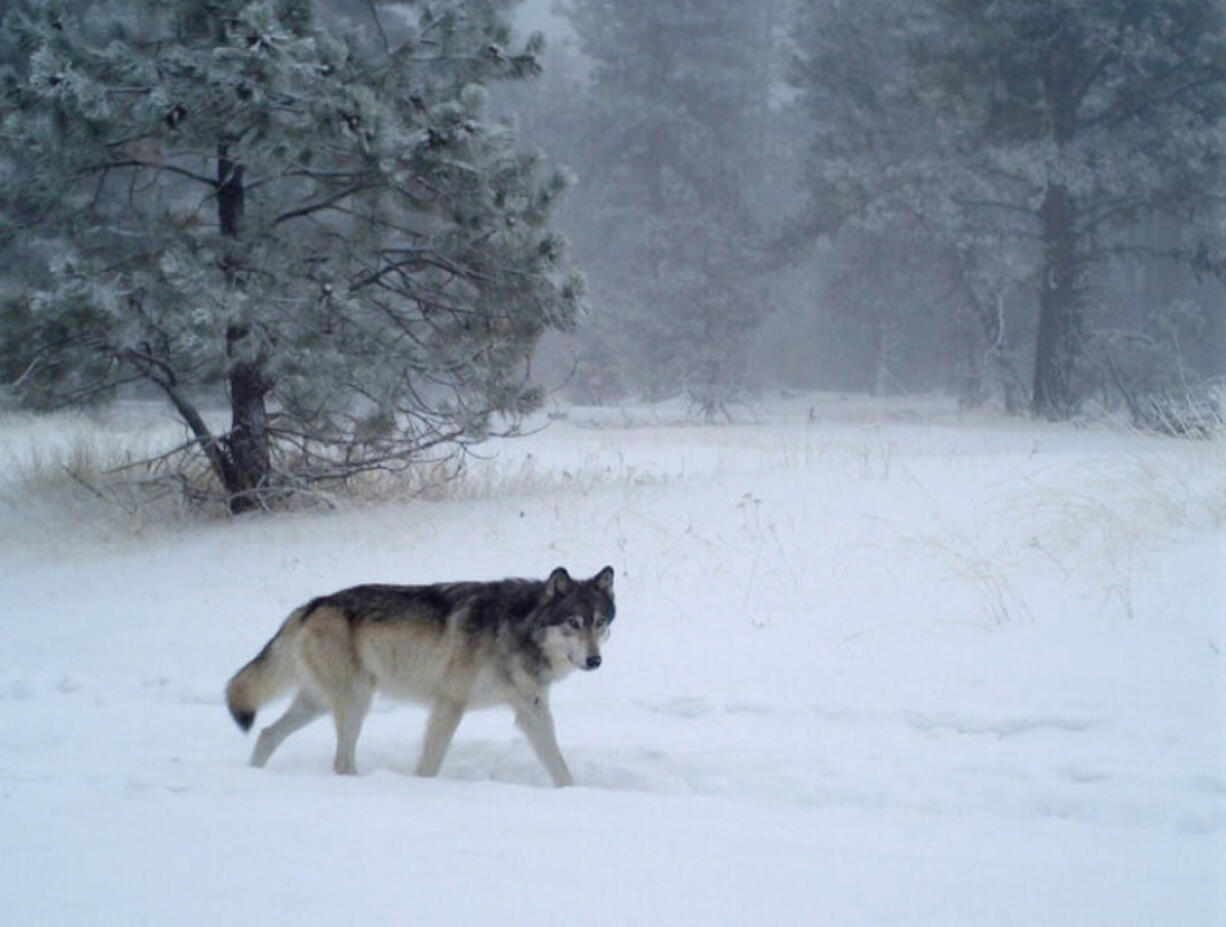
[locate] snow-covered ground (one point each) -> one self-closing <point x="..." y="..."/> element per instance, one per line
<point x="872" y="665"/>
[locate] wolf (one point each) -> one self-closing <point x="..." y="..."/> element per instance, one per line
<point x="451" y="646"/>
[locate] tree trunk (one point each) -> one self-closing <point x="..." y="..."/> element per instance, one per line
<point x="883" y="347"/>
<point x="247" y="442"/>
<point x="230" y="192"/>
<point x="247" y="458"/>
<point x="1060" y="320"/>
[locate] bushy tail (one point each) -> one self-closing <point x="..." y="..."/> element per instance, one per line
<point x="270" y="673"/>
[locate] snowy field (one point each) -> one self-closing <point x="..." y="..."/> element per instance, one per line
<point x="872" y="664"/>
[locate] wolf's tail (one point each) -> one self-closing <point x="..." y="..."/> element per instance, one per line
<point x="270" y="673"/>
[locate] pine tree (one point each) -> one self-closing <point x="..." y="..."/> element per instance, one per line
<point x="677" y="95"/>
<point x="1042" y="132"/>
<point x="321" y="217"/>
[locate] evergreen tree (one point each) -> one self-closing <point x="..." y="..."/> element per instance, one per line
<point x="1029" y="136"/>
<point x="677" y="96"/>
<point x="1098" y="116"/>
<point x="322" y="218"/>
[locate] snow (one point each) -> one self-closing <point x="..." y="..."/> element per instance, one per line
<point x="873" y="664"/>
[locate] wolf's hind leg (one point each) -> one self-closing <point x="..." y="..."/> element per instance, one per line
<point x="336" y="674"/>
<point x="536" y="721"/>
<point x="445" y="715"/>
<point x="301" y="712"/>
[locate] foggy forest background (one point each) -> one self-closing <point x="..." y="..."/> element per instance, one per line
<point x="372" y="231"/>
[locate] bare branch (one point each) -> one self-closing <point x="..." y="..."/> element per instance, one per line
<point x="321" y="205"/>
<point x="149" y="165"/>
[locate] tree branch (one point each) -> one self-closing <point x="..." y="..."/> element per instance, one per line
<point x="150" y="165"/>
<point x="320" y="205"/>
<point x="165" y="379"/>
<point x="994" y="204"/>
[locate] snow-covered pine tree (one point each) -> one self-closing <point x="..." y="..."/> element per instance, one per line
<point x="911" y="293"/>
<point x="1047" y="133"/>
<point x="318" y="215"/>
<point x="678" y="92"/>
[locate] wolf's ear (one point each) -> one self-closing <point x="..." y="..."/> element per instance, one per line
<point x="604" y="580"/>
<point x="559" y="583"/>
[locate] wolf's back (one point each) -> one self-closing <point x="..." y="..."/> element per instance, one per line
<point x="267" y="675"/>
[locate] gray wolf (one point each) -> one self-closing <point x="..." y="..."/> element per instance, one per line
<point x="451" y="646"/>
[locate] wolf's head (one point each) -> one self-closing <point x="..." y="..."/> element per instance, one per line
<point x="574" y="618"/>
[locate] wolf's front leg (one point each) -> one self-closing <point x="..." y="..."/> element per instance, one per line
<point x="445" y="717"/>
<point x="536" y="721"/>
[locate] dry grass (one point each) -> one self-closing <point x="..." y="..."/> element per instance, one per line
<point x="76" y="469"/>
<point x="79" y="470"/>
<point x="91" y="469"/>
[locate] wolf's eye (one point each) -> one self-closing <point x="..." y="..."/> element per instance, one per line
<point x="574" y="624"/>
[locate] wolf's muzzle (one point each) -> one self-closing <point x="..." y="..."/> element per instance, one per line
<point x="593" y="661"/>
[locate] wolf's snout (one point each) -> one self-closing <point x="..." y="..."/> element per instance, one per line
<point x="593" y="661"/>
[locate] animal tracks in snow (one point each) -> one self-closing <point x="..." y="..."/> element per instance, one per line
<point x="1073" y="765"/>
<point x="1000" y="727"/>
<point x="695" y="707"/>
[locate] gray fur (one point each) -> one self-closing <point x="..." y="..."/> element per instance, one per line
<point x="451" y="646"/>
